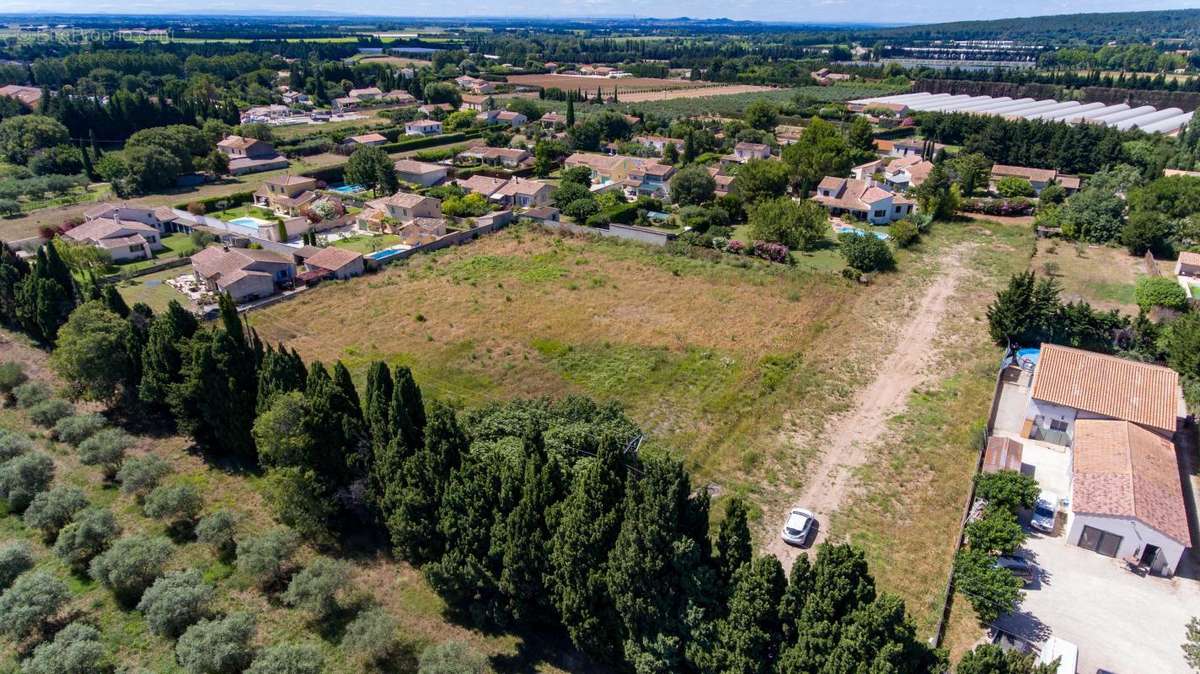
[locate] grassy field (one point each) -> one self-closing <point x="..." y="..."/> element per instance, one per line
<point x="368" y="244"/>
<point x="152" y="289"/>
<point x="175" y="243"/>
<point x="1104" y="277"/>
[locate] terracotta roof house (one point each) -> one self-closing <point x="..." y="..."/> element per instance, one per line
<point x="1126" y="496"/>
<point x="1002" y="453"/>
<point x="338" y="263"/>
<point x="1180" y="172"/>
<point x="512" y="119"/>
<point x="658" y="143"/>
<point x="1039" y="179"/>
<point x="401" y="207"/>
<point x="867" y="170"/>
<point x="553" y="119"/>
<point x="123" y="240"/>
<point x="422" y="127"/>
<point x="430" y="108"/>
<point x="866" y="200"/>
<point x="28" y="96"/>
<point x="286" y="194"/>
<point x="244" y="273"/>
<point x="399" y="97"/>
<point x="344" y="104"/>
<point x="907" y="172"/>
<point x="421" y="231"/>
<point x="250" y="155"/>
<point x="476" y="103"/>
<point x="908" y="146"/>
<point x="1072" y="384"/>
<point x="744" y="152"/>
<point x="481" y="184"/>
<point x="542" y="214"/>
<point x="420" y="173"/>
<point x="365" y="94"/>
<point x="367" y="139"/>
<point x="1188" y="265"/>
<point x="786" y="134"/>
<point x="523" y="193"/>
<point x="507" y="157"/>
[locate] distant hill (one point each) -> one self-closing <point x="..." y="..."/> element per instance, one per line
<point x="1064" y="28"/>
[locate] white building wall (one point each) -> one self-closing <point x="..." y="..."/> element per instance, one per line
<point x="1134" y="534"/>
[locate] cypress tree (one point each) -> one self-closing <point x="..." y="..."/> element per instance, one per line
<point x="526" y="561"/>
<point x="13" y="271"/>
<point x="335" y="427"/>
<point x="57" y="270"/>
<point x="733" y="541"/>
<point x="791" y="606"/>
<point x="215" y="399"/>
<point x="280" y="372"/>
<point x="689" y="148"/>
<point x="114" y="301"/>
<point x="415" y="495"/>
<point x="341" y="377"/>
<point x="378" y="401"/>
<point x="162" y="357"/>
<point x="570" y="111"/>
<point x="748" y="639"/>
<point x="407" y="411"/>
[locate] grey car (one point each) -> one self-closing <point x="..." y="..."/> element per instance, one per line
<point x="1018" y="566"/>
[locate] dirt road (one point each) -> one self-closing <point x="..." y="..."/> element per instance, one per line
<point x="848" y="436"/>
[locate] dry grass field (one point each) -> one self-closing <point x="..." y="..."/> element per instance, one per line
<point x="1105" y="277"/>
<point x="702" y="92"/>
<point x="629" y="84"/>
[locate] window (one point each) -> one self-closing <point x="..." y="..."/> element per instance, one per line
<point x="1058" y="425"/>
<point x="135" y="249"/>
<point x="880" y="214"/>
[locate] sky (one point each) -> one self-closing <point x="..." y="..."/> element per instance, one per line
<point x="799" y="11"/>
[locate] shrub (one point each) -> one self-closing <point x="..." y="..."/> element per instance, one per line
<point x="78" y="427"/>
<point x="267" y="559"/>
<point x="775" y="252"/>
<point x="175" y="602"/>
<point x="453" y="657"/>
<point x="997" y="532"/>
<point x="75" y="650"/>
<point x="217" y="646"/>
<point x="991" y="590"/>
<point x="12" y="375"/>
<point x="48" y="412"/>
<point x="1007" y="489"/>
<point x="13" y="444"/>
<point x="25" y="477"/>
<point x="1159" y="291"/>
<point x="52" y="510"/>
<point x="105" y="449"/>
<point x="31" y="393"/>
<point x="30" y="603"/>
<point x="904" y="233"/>
<point x="866" y="252"/>
<point x="89" y="535"/>
<point x="130" y="566"/>
<point x="288" y="659"/>
<point x="178" y="504"/>
<point x="16" y="557"/>
<point x="315" y="589"/>
<point x="141" y="474"/>
<point x="1012" y="186"/>
<point x="372" y="637"/>
<point x="218" y="531"/>
<point x="1003" y="207"/>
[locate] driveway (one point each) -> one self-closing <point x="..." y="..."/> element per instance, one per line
<point x="1121" y="622"/>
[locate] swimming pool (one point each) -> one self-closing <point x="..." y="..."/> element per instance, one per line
<point x="347" y="189"/>
<point x="846" y="229"/>
<point x="247" y="221"/>
<point x="386" y="254"/>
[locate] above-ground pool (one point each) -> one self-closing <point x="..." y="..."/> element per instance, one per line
<point x="1028" y="358"/>
<point x="347" y="189"/>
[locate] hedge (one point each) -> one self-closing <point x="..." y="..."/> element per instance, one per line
<point x="898" y="132"/>
<point x="625" y="213"/>
<point x="230" y="200"/>
<point x="422" y="142"/>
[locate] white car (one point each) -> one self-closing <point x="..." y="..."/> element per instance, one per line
<point x="798" y="526"/>
<point x="1045" y="511"/>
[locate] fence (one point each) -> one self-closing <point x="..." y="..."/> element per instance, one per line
<point x="146" y="271"/>
<point x="948" y="594"/>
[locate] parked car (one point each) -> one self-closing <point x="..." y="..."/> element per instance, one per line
<point x="1045" y="511"/>
<point x="798" y="526"/>
<point x="1019" y="566"/>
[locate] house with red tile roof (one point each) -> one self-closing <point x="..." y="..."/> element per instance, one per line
<point x="866" y="200"/>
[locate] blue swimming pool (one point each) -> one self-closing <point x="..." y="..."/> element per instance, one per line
<point x="385" y="254"/>
<point x="846" y="229"/>
<point x="347" y="189"/>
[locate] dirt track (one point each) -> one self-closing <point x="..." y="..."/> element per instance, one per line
<point x="847" y="437"/>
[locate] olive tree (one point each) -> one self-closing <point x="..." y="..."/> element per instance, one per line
<point x="76" y="649"/>
<point x="16" y="557"/>
<point x="373" y="638"/>
<point x="30" y="603"/>
<point x="23" y="478"/>
<point x="89" y="535"/>
<point x="288" y="659"/>
<point x="105" y="449"/>
<point x="175" y="602"/>
<point x="267" y="559"/>
<point x="52" y="510"/>
<point x="178" y="505"/>
<point x="139" y="475"/>
<point x="131" y="565"/>
<point x="13" y="444"/>
<point x="78" y="427"/>
<point x="218" y="531"/>
<point x="48" y="412"/>
<point x="220" y="646"/>
<point x="453" y="657"/>
<point x="12" y="375"/>
<point x="316" y="587"/>
<point x="31" y="393"/>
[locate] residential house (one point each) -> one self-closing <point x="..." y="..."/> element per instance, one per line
<point x="244" y="273"/>
<point x="399" y="97"/>
<point x="1187" y="266"/>
<point x="553" y="120"/>
<point x="400" y="207"/>
<point x="264" y="113"/>
<point x="367" y="139"/>
<point x="286" y="195"/>
<point x="430" y="109"/>
<point x="744" y="152"/>
<point x="474" y="85"/>
<point x="908" y="147"/>
<point x="124" y="240"/>
<point x="422" y="231"/>
<point x="422" y="127"/>
<point x="907" y="172"/>
<point x="724" y="182"/>
<point x="651" y="179"/>
<point x="515" y="120"/>
<point x="481" y="184"/>
<point x="1039" y="179"/>
<point x="1180" y="172"/>
<point x="868" y="170"/>
<point x="1071" y="384"/>
<point x="866" y="200"/>
<point x="523" y="193"/>
<point x="337" y="263"/>
<point x="344" y="104"/>
<point x="365" y="94"/>
<point x="30" y="97"/>
<point x="250" y="155"/>
<point x="294" y="97"/>
<point x="542" y="214"/>
<point x="510" y="158"/>
<point x="605" y="168"/>
<point x="420" y="173"/>
<point x="476" y="103"/>
<point x="658" y="143"/>
<point x="1126" y="497"/>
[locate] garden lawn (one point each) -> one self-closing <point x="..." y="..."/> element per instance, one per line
<point x="174" y="243"/>
<point x="368" y="244"/>
<point x="1101" y="275"/>
<point x="153" y="290"/>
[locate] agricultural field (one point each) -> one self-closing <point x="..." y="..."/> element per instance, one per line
<point x="630" y="84"/>
<point x="745" y="401"/>
<point x="704" y="92"/>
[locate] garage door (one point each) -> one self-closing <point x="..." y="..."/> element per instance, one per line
<point x="1100" y="541"/>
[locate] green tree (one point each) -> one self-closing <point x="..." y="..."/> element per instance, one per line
<point x="76" y="649"/>
<point x="1012" y="186"/>
<point x="371" y="167"/>
<point x="997" y="532"/>
<point x="1191" y="646"/>
<point x="453" y="657"/>
<point x="218" y="530"/>
<point x="992" y="659"/>
<point x="865" y="252"/>
<point x="970" y="171"/>
<point x="1024" y="310"/>
<point x="89" y="535"/>
<point x="217" y="646"/>
<point x="798" y="225"/>
<point x="938" y="196"/>
<point x="748" y="639"/>
<point x="373" y="639"/>
<point x="820" y="151"/>
<point x="179" y="505"/>
<point x="414" y="498"/>
<point x="1159" y="291"/>
<point x="23" y="478"/>
<point x="52" y="510"/>
<point x="162" y="359"/>
<point x="27" y="607"/>
<point x="861" y="137"/>
<point x="761" y="115"/>
<point x="22" y="136"/>
<point x="176" y="601"/>
<point x="78" y="427"/>
<point x="1007" y="490"/>
<point x="991" y="590"/>
<point x="267" y="558"/>
<point x="1146" y="231"/>
<point x="139" y="475"/>
<point x="130" y="566"/>
<point x="761" y="180"/>
<point x="16" y="557"/>
<point x="106" y="448"/>
<point x="317" y="587"/>
<point x="288" y="659"/>
<point x="692" y="185"/>
<point x="734" y="546"/>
